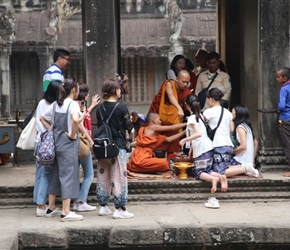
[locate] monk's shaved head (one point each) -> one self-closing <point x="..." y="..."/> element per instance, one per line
<point x="183" y="73"/>
<point x="151" y="116"/>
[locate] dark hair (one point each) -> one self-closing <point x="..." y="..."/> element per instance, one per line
<point x="201" y="52"/>
<point x="224" y="103"/>
<point x="242" y="116"/>
<point x="68" y="85"/>
<point x="285" y="72"/>
<point x="188" y="64"/>
<point x="215" y="93"/>
<point x="172" y="64"/>
<point x="109" y="88"/>
<point x="83" y="91"/>
<point x="213" y="55"/>
<point x="53" y="91"/>
<point x="60" y="53"/>
<point x="134" y="113"/>
<point x="193" y="102"/>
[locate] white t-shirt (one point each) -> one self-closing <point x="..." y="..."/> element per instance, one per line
<point x="202" y="144"/>
<point x="74" y="107"/>
<point x="222" y="135"/>
<point x="42" y="106"/>
<point x="246" y="156"/>
<point x="170" y="74"/>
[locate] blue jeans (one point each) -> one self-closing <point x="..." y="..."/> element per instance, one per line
<point x="88" y="170"/>
<point x="42" y="177"/>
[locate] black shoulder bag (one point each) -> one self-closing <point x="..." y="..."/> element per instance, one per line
<point x="211" y="132"/>
<point x="202" y="94"/>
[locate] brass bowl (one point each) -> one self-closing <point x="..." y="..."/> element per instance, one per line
<point x="183" y="166"/>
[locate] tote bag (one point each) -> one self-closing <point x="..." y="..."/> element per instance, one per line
<point x="168" y="113"/>
<point x="27" y="137"/>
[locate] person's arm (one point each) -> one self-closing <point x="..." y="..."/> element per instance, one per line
<point x="282" y="100"/>
<point x="75" y="125"/>
<point x="163" y="128"/>
<point x="174" y="137"/>
<point x="232" y="126"/>
<point x="196" y="135"/>
<point x="172" y="99"/>
<point x="45" y="123"/>
<point x="95" y="102"/>
<point x="256" y="146"/>
<point x="243" y="143"/>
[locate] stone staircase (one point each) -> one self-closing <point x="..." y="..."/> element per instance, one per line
<point x="272" y="187"/>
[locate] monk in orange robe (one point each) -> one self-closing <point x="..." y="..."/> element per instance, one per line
<point x="178" y="86"/>
<point x="143" y="159"/>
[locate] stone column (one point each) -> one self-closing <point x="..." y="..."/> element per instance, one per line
<point x="99" y="41"/>
<point x="5" y="80"/>
<point x="100" y="29"/>
<point x="273" y="54"/>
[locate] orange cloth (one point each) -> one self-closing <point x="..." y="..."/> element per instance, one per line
<point x="182" y="94"/>
<point x="143" y="159"/>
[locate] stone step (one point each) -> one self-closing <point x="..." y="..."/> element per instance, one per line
<point x="271" y="187"/>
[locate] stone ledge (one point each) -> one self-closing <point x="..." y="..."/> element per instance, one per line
<point x="160" y="236"/>
<point x="9" y="241"/>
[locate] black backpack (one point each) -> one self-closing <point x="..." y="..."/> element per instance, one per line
<point x="104" y="146"/>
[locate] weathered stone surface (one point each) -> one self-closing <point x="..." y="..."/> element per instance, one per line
<point x="9" y="241"/>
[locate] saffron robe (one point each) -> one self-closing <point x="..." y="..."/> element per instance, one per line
<point x="143" y="159"/>
<point x="182" y="94"/>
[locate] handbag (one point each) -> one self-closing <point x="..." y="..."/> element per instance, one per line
<point x="168" y="113"/>
<point x="211" y="132"/>
<point x="202" y="94"/>
<point x="84" y="147"/>
<point x="27" y="137"/>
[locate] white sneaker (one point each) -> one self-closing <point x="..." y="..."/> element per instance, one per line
<point x="250" y="170"/>
<point x="121" y="214"/>
<point x="85" y="207"/>
<point x="104" y="210"/>
<point x="40" y="212"/>
<point x="72" y="216"/>
<point x="55" y="212"/>
<point x="212" y="202"/>
<point x="75" y="206"/>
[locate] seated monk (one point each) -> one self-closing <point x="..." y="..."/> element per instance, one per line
<point x="176" y="92"/>
<point x="143" y="159"/>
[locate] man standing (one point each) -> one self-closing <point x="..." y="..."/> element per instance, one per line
<point x="214" y="76"/>
<point x="61" y="59"/>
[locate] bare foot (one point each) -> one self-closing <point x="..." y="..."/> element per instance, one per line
<point x="214" y="184"/>
<point x="286" y="174"/>
<point x="224" y="183"/>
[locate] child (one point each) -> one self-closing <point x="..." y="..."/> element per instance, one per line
<point x="245" y="151"/>
<point x="143" y="159"/>
<point x="282" y="77"/>
<point x="201" y="147"/>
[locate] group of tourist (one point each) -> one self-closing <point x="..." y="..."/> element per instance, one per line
<point x="230" y="152"/>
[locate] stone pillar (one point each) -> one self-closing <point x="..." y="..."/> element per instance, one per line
<point x="5" y="82"/>
<point x="100" y="41"/>
<point x="100" y="25"/>
<point x="273" y="54"/>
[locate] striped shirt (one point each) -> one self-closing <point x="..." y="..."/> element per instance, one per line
<point x="52" y="73"/>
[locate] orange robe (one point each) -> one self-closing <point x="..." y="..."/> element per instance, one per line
<point x="182" y="94"/>
<point x="143" y="159"/>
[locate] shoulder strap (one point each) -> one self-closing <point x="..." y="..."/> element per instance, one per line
<point x="220" y="118"/>
<point x="211" y="82"/>
<point x="107" y="120"/>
